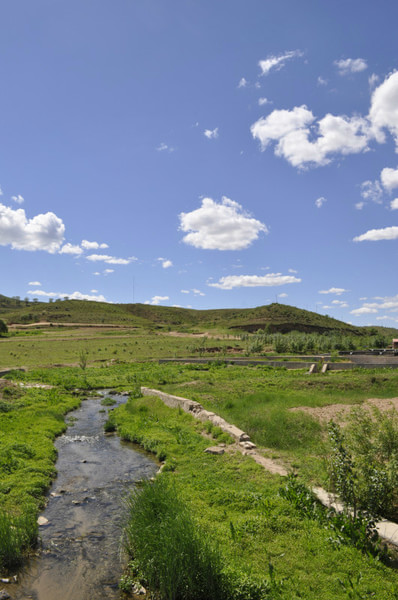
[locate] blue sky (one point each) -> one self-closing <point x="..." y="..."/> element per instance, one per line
<point x="203" y="154"/>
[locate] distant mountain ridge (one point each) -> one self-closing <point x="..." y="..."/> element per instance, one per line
<point x="272" y="317"/>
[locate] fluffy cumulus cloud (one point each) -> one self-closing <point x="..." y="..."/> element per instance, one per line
<point x="211" y="134"/>
<point x="277" y="62"/>
<point x="18" y="199"/>
<point x="305" y="141"/>
<point x="93" y="245"/>
<point x="333" y="290"/>
<point x="389" y="304"/>
<point x="364" y="310"/>
<point x="71" y="249"/>
<point x="242" y="83"/>
<point x="110" y="260"/>
<point x="73" y="296"/>
<point x="42" y="232"/>
<point x="383" y="112"/>
<point x="166" y="264"/>
<point x="220" y="226"/>
<point x="389" y="178"/>
<point x="155" y="300"/>
<point x="394" y="204"/>
<point x="351" y="65"/>
<point x="270" y="280"/>
<point x="376" y="235"/>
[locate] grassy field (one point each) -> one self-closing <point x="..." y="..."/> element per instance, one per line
<point x="237" y="505"/>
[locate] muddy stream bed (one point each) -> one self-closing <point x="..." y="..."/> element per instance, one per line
<point x="80" y="554"/>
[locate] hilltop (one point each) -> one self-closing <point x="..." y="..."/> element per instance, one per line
<point x="273" y="317"/>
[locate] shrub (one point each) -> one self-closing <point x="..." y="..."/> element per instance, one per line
<point x="364" y="461"/>
<point x="3" y="328"/>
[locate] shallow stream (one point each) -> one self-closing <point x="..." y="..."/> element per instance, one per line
<point x="80" y="555"/>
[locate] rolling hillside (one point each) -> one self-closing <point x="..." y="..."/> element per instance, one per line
<point x="273" y="317"/>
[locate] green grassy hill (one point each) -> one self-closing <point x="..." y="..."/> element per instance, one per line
<point x="273" y="317"/>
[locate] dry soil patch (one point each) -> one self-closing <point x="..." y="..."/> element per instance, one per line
<point x="338" y="412"/>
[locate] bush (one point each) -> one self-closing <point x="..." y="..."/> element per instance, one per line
<point x="3" y="328"/>
<point x="364" y="461"/>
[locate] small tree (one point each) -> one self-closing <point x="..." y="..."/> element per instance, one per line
<point x="3" y="328"/>
<point x="83" y="357"/>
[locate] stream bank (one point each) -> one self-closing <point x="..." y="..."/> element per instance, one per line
<point x="79" y="556"/>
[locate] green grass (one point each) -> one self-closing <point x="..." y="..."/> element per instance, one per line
<point x="240" y="508"/>
<point x="28" y="427"/>
<point x="230" y="497"/>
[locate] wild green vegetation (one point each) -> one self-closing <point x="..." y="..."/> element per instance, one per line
<point x="263" y="542"/>
<point x="364" y="460"/>
<point x="30" y="419"/>
<point x="273" y="317"/>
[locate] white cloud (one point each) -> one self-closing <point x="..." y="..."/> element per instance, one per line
<point x="184" y="291"/>
<point x="73" y="296"/>
<point x="35" y="283"/>
<point x="320" y="201"/>
<point x="166" y="264"/>
<point x="373" y="80"/>
<point x="108" y="271"/>
<point x="351" y="65"/>
<point x="94" y="291"/>
<point x="263" y="101"/>
<point x="277" y="62"/>
<point x="340" y="303"/>
<point x="155" y="300"/>
<point x="291" y="131"/>
<point x="71" y="249"/>
<point x="1" y="192"/>
<point x="384" y="108"/>
<point x="389" y="178"/>
<point x="111" y="260"/>
<point x="211" y="134"/>
<point x="18" y="199"/>
<point x="394" y="204"/>
<point x="42" y="232"/>
<point x="270" y="280"/>
<point x="322" y="81"/>
<point x="333" y="290"/>
<point x="371" y="190"/>
<point x="197" y="292"/>
<point x="242" y="83"/>
<point x="282" y="295"/>
<point x="364" y="310"/>
<point x="163" y="147"/>
<point x="359" y="205"/>
<point x="224" y="226"/>
<point x="304" y="141"/>
<point x="292" y="271"/>
<point x="92" y="245"/>
<point x="375" y="235"/>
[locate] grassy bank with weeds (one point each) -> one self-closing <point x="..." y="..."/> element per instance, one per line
<point x="264" y="545"/>
<point x="30" y="419"/>
<point x="256" y="399"/>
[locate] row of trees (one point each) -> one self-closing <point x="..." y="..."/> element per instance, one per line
<point x="297" y="342"/>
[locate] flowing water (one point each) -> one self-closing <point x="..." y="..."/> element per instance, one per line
<point x="80" y="556"/>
